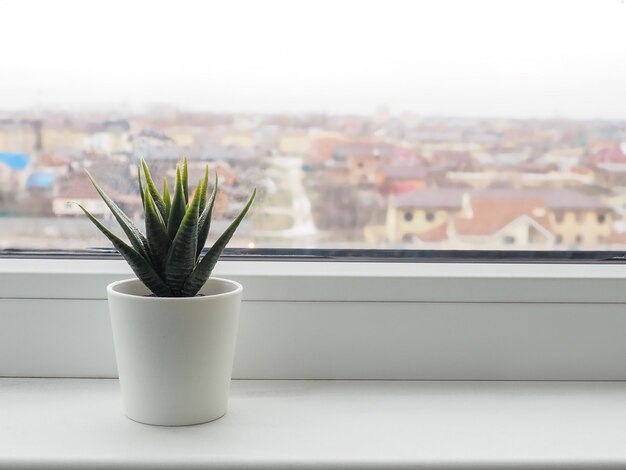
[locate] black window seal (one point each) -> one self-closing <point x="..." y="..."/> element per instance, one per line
<point x="357" y="255"/>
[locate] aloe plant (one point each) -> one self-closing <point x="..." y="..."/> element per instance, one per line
<point x="168" y="258"/>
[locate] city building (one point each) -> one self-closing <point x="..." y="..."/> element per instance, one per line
<point x="413" y="214"/>
<point x="497" y="222"/>
<point x="13" y="172"/>
<point x="80" y="190"/>
<point x="20" y="136"/>
<point x="294" y="143"/>
<point x="401" y="179"/>
<point x="497" y="219"/>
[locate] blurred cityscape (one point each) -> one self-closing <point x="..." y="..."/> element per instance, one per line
<point x="326" y="181"/>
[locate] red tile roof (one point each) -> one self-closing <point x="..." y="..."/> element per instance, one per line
<point x="437" y="234"/>
<point x="81" y="188"/>
<point x="53" y="160"/>
<point x="616" y="238"/>
<point x="490" y="215"/>
<point x="609" y="155"/>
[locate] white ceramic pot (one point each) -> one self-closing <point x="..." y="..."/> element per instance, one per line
<point x="174" y="355"/>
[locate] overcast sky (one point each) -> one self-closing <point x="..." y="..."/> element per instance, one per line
<point x="523" y="58"/>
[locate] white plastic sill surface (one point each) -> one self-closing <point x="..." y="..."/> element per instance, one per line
<point x="78" y="423"/>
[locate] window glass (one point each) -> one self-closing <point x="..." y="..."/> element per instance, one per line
<point x="369" y="124"/>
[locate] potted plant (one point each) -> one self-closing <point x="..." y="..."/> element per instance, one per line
<point x="174" y="326"/>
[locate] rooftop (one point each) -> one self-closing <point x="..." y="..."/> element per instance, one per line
<point x="437" y="198"/>
<point x="81" y="188"/>
<point x="613" y="154"/>
<point x="41" y="179"/>
<point x="15" y="161"/>
<point x="452" y="198"/>
<point x="490" y="215"/>
<point x="404" y="172"/>
<point x="553" y="198"/>
<point x="435" y="235"/>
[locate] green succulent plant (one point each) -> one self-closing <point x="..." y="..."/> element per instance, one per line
<point x="168" y="258"/>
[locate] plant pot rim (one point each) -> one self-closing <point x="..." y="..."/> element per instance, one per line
<point x="113" y="289"/>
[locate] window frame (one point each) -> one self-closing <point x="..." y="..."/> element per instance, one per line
<point x="345" y="320"/>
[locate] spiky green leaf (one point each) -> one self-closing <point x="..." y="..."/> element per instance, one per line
<point x="140" y="266"/>
<point x="136" y="238"/>
<point x="204" y="223"/>
<point x="156" y="232"/>
<point x="181" y="258"/>
<point x="203" y="270"/>
<point x="166" y="198"/>
<point x="185" y="178"/>
<point x="153" y="190"/>
<point x="178" y="209"/>
<point x="205" y="182"/>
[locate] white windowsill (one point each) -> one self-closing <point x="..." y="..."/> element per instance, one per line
<point x="78" y="423"/>
<point x="333" y="320"/>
